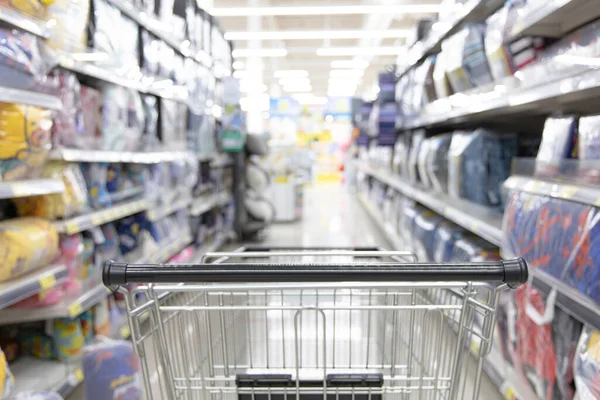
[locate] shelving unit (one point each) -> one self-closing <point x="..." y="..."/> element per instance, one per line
<point x="32" y="187"/>
<point x="93" y="156"/>
<point x="10" y="95"/>
<point x="206" y="203"/>
<point x="555" y="18"/>
<point x="21" y="288"/>
<point x="101" y="217"/>
<point x="473" y="10"/>
<point x="24" y="22"/>
<point x="387" y="231"/>
<point x="160" y="211"/>
<point x="480" y="220"/>
<point x="559" y="190"/>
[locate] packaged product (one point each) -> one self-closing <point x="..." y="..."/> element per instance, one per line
<point x="101" y="319"/>
<point x="256" y="177"/>
<point x="531" y="222"/>
<point x="496" y="51"/>
<point x="7" y="380"/>
<point x="478" y="164"/>
<point x="24" y="141"/>
<point x="423" y="156"/>
<point x="32" y="8"/>
<point x="425" y="226"/>
<point x="406" y="222"/>
<point x="112" y="371"/>
<point x="436" y="164"/>
<point x="455" y="65"/>
<point x="150" y="54"/>
<point x="417" y="140"/>
<point x="589" y="148"/>
<point x="259" y="207"/>
<point x="95" y="175"/>
<point x="135" y="121"/>
<point x="91" y="105"/>
<point x="445" y="236"/>
<point x="559" y="142"/>
<point x="587" y="364"/>
<point x="130" y="234"/>
<point x="69" y="22"/>
<point x="440" y="78"/>
<point x="109" y="249"/>
<point x="150" y="140"/>
<point x="172" y="124"/>
<point x="23" y="61"/>
<point x="387" y="82"/>
<point x="26" y="244"/>
<point x="115" y="119"/>
<point x="68" y="337"/>
<point x="565" y="334"/>
<point x="474" y="57"/>
<point x="71" y="248"/>
<point x="471" y="248"/>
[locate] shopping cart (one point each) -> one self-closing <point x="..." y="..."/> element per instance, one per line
<point x="309" y="324"/>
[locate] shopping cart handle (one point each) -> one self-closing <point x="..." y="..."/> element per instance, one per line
<point x="513" y="272"/>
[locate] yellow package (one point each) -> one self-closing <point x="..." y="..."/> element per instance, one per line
<point x="26" y="244"/>
<point x="33" y="8"/>
<point x="24" y="141"/>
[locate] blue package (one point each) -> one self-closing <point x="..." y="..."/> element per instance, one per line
<point x="446" y="235"/>
<point x="112" y="371"/>
<point x="387" y="83"/>
<point x="425" y="226"/>
<point x="114" y="174"/>
<point x="406" y="222"/>
<point x="560" y="237"/>
<point x="559" y="140"/>
<point x="130" y="232"/>
<point x="474" y="57"/>
<point x="95" y="178"/>
<point x="478" y="164"/>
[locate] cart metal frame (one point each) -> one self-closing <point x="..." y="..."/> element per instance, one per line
<point x="313" y="323"/>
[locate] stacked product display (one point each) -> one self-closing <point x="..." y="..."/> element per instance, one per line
<point x="109" y="150"/>
<point x="485" y="166"/>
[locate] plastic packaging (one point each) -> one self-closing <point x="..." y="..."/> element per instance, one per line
<point x="426" y="224"/>
<point x="475" y="61"/>
<point x="115" y="118"/>
<point x="559" y="142"/>
<point x="587" y="365"/>
<point x="173" y="129"/>
<point x="26" y="244"/>
<point x="69" y="22"/>
<point x="24" y="141"/>
<point x="91" y="105"/>
<point x="455" y="62"/>
<point x="496" y="51"/>
<point x="68" y="129"/>
<point x="531" y="222"/>
<point x="23" y="62"/>
<point x="440" y="78"/>
<point x="150" y="140"/>
<point x="422" y="159"/>
<point x="95" y="178"/>
<point x="436" y="164"/>
<point x="150" y="54"/>
<point x="112" y="371"/>
<point x="445" y="237"/>
<point x="417" y="139"/>
<point x="470" y="248"/>
<point x="135" y="121"/>
<point x="7" y="380"/>
<point x="256" y="177"/>
<point x="565" y="334"/>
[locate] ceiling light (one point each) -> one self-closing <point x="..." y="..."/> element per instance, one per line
<point x="294" y="81"/>
<point x="247" y="88"/>
<point x="238" y="65"/>
<point x="357" y="64"/>
<point x="297" y="89"/>
<point x="344" y="81"/>
<point x="359" y="51"/>
<point x="242" y="53"/>
<point x="346" y="73"/>
<point x="240" y="74"/>
<point x="323" y="34"/>
<point x="291" y="73"/>
<point x="326" y="10"/>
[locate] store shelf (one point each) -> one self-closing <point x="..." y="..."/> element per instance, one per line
<point x="480" y="220"/>
<point x="18" y="289"/>
<point x="33" y="187"/>
<point x="554" y="18"/>
<point x="24" y="22"/>
<point x="32" y="374"/>
<point x="162" y="31"/>
<point x="68" y="308"/>
<point x="472" y="11"/>
<point x="160" y="211"/>
<point x="166" y="252"/>
<point x="9" y="95"/>
<point x="129" y="157"/>
<point x="387" y="231"/>
<point x="573" y="92"/>
<point x="133" y="81"/>
<point x="581" y="194"/>
<point x="97" y="218"/>
<point x="203" y="204"/>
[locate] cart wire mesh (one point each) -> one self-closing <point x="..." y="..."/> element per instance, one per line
<point x="313" y="340"/>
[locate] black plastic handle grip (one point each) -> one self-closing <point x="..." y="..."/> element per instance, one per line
<point x="513" y="272"/>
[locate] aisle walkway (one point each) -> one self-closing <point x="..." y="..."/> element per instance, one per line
<point x="332" y="217"/>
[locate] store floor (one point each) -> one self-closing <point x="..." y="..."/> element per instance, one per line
<point x="334" y="218"/>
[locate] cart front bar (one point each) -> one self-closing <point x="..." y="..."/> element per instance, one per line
<point x="512" y="272"/>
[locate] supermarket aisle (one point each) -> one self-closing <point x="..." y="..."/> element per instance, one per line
<point x="332" y="217"/>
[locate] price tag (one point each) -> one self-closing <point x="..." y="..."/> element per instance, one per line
<point x="475" y="348"/>
<point x="125" y="332"/>
<point x="566" y="192"/>
<point x="78" y="374"/>
<point x="75" y="309"/>
<point x="509" y="394"/>
<point x="73" y="227"/>
<point x="281" y="179"/>
<point x="47" y="282"/>
<point x="97" y="220"/>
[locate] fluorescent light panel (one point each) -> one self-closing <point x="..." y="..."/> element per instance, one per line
<point x="312" y="35"/>
<point x="356" y="64"/>
<point x="326" y="10"/>
<point x="291" y="73"/>
<point x="358" y="51"/>
<point x="238" y="65"/>
<point x="297" y="89"/>
<point x="243" y="53"/>
<point x="346" y="73"/>
<point x="294" y="81"/>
